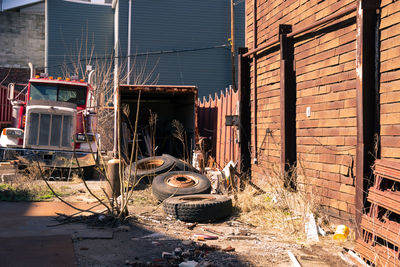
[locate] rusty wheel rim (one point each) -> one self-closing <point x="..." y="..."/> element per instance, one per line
<point x="182" y="181"/>
<point x="150" y="164"/>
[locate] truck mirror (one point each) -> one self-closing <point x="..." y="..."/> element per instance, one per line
<point x="10" y="91"/>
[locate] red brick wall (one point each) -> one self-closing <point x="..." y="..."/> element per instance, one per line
<point x="325" y="81"/>
<point x="390" y="79"/>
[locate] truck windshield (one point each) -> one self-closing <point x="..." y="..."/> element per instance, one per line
<point x="58" y="92"/>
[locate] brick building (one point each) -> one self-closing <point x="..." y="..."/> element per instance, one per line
<point x="324" y="94"/>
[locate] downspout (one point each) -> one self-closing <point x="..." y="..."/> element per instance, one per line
<point x="129" y="43"/>
<point x="255" y="160"/>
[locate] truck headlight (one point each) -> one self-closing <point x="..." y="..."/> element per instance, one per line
<point x="80" y="137"/>
<point x="18" y="133"/>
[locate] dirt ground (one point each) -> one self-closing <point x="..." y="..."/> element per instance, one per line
<point x="150" y="234"/>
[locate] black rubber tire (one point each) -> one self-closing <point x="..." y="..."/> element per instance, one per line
<point x="161" y="164"/>
<point x="181" y="165"/>
<point x="163" y="188"/>
<point x="198" y="208"/>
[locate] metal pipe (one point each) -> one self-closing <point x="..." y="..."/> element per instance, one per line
<point x="46" y="36"/>
<point x="255" y="160"/>
<point x="128" y="80"/>
<point x="334" y="16"/>
<point x="261" y="47"/>
<point x="337" y="15"/>
<point x="116" y="76"/>
<point x="233" y="45"/>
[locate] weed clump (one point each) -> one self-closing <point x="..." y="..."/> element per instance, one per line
<point x="25" y="193"/>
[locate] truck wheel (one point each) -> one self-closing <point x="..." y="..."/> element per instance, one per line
<point x="198" y="208"/>
<point x="180" y="183"/>
<point x="152" y="166"/>
<point x="182" y="165"/>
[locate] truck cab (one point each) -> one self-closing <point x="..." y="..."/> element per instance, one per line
<point x="56" y="121"/>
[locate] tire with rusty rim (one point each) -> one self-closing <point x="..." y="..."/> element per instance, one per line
<point x="182" y="165"/>
<point x="198" y="208"/>
<point x="153" y="166"/>
<point x="180" y="183"/>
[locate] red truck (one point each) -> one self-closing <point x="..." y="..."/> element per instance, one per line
<point x="54" y="125"/>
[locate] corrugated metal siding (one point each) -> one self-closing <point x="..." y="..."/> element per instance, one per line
<point x="159" y="25"/>
<point x="70" y="23"/>
<point x="156" y="26"/>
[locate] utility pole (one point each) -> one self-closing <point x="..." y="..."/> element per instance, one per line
<point x="233" y="45"/>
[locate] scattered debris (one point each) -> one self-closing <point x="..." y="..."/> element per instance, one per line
<point x="356" y="258"/>
<point x="228" y="249"/>
<point x="158" y="236"/>
<point x="217" y="180"/>
<point x="123" y="228"/>
<point x="188" y="264"/>
<point x="191" y="226"/>
<point x="98" y="234"/>
<point x="178" y="251"/>
<point x="202" y="237"/>
<point x="341" y="233"/>
<point x="346" y="259"/>
<point x="147" y="219"/>
<point x="212" y="231"/>
<point x="187" y="242"/>
<point x="311" y="228"/>
<point x="289" y="218"/>
<point x="234" y="237"/>
<point x="167" y="255"/>
<point x="321" y="231"/>
<point x="292" y="257"/>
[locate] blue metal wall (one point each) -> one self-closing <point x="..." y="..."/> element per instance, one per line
<point x="72" y="25"/>
<point x="157" y="25"/>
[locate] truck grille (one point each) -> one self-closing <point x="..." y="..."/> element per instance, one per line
<point x="54" y="130"/>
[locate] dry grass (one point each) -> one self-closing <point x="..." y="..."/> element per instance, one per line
<point x="25" y="187"/>
<point x="142" y="198"/>
<point x="274" y="206"/>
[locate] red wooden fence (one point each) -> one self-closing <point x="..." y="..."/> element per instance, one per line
<point x="211" y="124"/>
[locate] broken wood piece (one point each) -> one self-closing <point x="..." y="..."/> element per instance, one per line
<point x="212" y="231"/>
<point x="356" y="258"/>
<point x="346" y="259"/>
<point x="292" y="257"/>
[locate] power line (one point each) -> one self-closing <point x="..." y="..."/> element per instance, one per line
<point x="162" y="52"/>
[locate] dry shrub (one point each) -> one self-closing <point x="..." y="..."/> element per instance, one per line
<point x="276" y="205"/>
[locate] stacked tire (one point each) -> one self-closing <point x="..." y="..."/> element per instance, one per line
<point x="183" y="191"/>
